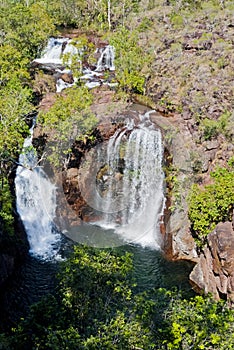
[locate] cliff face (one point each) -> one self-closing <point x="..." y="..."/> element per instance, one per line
<point x="214" y="272"/>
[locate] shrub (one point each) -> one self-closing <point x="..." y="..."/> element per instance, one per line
<point x="213" y="203"/>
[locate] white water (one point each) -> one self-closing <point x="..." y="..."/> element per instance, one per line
<point x="53" y="52"/>
<point x="106" y="60"/>
<point x="36" y="204"/>
<point x="133" y="200"/>
<point x="52" y="57"/>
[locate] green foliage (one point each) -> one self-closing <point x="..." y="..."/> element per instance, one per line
<point x="182" y="4"/>
<point x="131" y="62"/>
<point x="14" y="107"/>
<point x="26" y="28"/>
<point x="91" y="14"/>
<point x="71" y="119"/>
<point x="6" y="206"/>
<point x="13" y="65"/>
<point x="85" y="53"/>
<point x="212" y="203"/>
<point x="177" y="20"/>
<point x="145" y="24"/>
<point x="95" y="308"/>
<point x="71" y="107"/>
<point x="212" y="128"/>
<point x="199" y="323"/>
<point x="91" y="310"/>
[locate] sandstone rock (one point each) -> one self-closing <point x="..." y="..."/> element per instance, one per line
<point x="210" y="145"/>
<point x="68" y="78"/>
<point x="178" y="241"/>
<point x="72" y="172"/>
<point x="214" y="273"/>
<point x="47" y="102"/>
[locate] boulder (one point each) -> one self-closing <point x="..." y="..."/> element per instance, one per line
<point x="214" y="272"/>
<point x="68" y="78"/>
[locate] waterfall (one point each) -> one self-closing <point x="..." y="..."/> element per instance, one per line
<point x="53" y="51"/>
<point x="106" y="60"/>
<point x="36" y="204"/>
<point x="52" y="60"/>
<point x="131" y="185"/>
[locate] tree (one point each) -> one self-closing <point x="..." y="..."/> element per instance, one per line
<point x="131" y="62"/>
<point x="91" y="309"/>
<point x="26" y="28"/>
<point x="15" y="105"/>
<point x="13" y="65"/>
<point x="212" y="203"/>
<point x="69" y="119"/>
<point x="96" y="307"/>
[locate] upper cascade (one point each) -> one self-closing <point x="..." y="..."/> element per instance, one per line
<point x="52" y="54"/>
<point x="52" y="59"/>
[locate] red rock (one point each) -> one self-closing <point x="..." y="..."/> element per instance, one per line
<point x="214" y="272"/>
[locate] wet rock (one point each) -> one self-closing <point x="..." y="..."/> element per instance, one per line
<point x="214" y="272"/>
<point x="178" y="241"/>
<point x="13" y="249"/>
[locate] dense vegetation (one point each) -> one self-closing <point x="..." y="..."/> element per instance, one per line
<point x="24" y="30"/>
<point x="96" y="306"/>
<point x="213" y="203"/>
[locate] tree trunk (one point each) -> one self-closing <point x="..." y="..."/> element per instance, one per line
<point x="109" y="14"/>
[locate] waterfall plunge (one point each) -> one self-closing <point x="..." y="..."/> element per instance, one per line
<point x="131" y="186"/>
<point x="36" y="204"/>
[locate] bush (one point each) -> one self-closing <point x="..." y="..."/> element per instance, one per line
<point x="131" y="61"/>
<point x="213" y="203"/>
<point x="212" y="128"/>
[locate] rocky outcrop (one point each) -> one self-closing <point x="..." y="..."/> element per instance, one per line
<point x="178" y="240"/>
<point x="214" y="272"/>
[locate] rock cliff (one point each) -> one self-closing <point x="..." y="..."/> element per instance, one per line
<point x="214" y="272"/>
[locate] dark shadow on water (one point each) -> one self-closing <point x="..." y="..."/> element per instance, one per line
<point x="152" y="270"/>
<point x="30" y="282"/>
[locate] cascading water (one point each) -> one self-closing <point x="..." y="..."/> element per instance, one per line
<point x="52" y="59"/>
<point x="53" y="51"/>
<point x="133" y="191"/>
<point x="33" y="191"/>
<point x="106" y="60"/>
